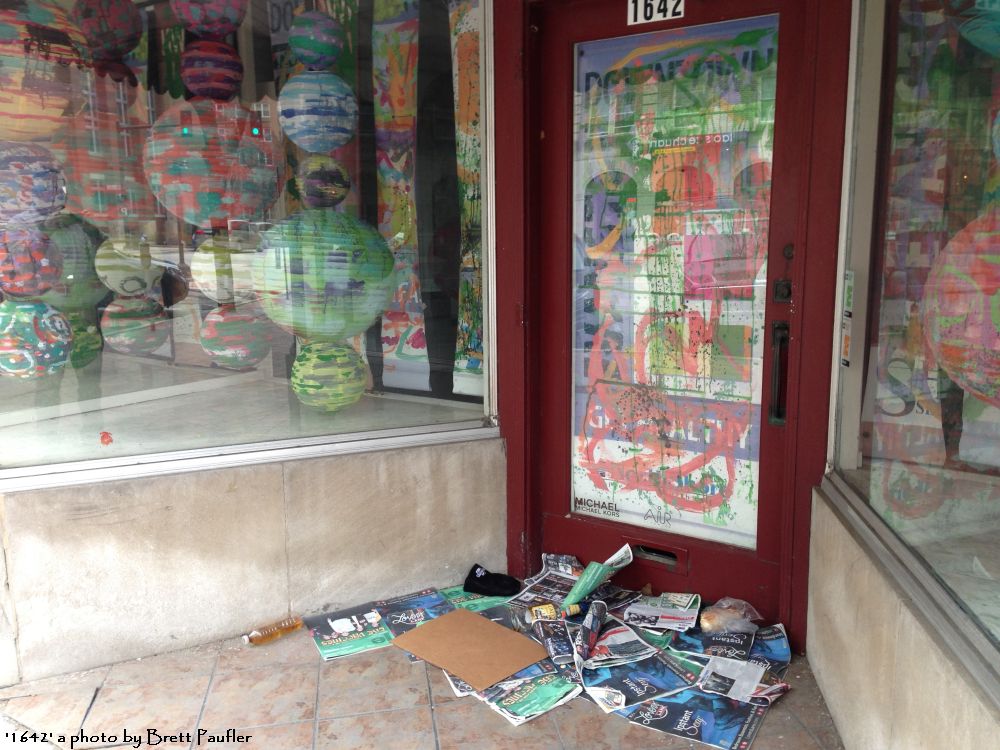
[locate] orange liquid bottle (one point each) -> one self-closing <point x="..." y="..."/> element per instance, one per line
<point x="273" y="632"/>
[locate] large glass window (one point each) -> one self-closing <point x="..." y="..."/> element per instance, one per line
<point x="232" y="221"/>
<point x="928" y="438"/>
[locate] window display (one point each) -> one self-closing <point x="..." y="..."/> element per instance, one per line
<point x="231" y="221"/>
<point x="929" y="434"/>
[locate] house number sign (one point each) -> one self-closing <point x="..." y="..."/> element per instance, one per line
<point x="651" y="11"/>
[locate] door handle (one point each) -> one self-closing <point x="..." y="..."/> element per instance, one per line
<point x="779" y="372"/>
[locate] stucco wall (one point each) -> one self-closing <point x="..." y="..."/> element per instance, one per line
<point x="101" y="573"/>
<point x="886" y="682"/>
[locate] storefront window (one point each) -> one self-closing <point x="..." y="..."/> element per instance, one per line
<point x="232" y="221"/>
<point x="928" y="437"/>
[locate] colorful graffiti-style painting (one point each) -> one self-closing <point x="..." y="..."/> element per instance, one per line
<point x="394" y="70"/>
<point x="673" y="144"/>
<point x="464" y="22"/>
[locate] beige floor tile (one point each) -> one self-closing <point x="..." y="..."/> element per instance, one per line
<point x="373" y="681"/>
<point x="192" y="662"/>
<point x="56" y="713"/>
<point x="257" y="697"/>
<point x="297" y="736"/>
<point x="782" y="731"/>
<point x="9" y="725"/>
<point x="469" y="725"/>
<point x="169" y="707"/>
<point x="805" y="702"/>
<point x="92" y="678"/>
<point x="582" y="724"/>
<point x="295" y="648"/>
<point x="405" y="729"/>
<point x="441" y="691"/>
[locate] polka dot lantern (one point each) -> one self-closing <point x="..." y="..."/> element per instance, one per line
<point x="316" y="40"/>
<point x="323" y="181"/>
<point x="210" y="18"/>
<point x="135" y="325"/>
<point x="221" y="269"/>
<point x="32" y="185"/>
<point x="211" y="69"/>
<point x="318" y="111"/>
<point x="234" y="337"/>
<point x="29" y="266"/>
<point x="75" y="241"/>
<point x="323" y="275"/>
<point x="208" y="162"/>
<point x="112" y="28"/>
<point x="122" y="267"/>
<point x="961" y="296"/>
<point x="328" y="376"/>
<point x="41" y="69"/>
<point x="87" y="339"/>
<point x="35" y="339"/>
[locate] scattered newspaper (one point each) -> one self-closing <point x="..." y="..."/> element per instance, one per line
<point x="524" y="700"/>
<point x="770" y="648"/>
<point x="732" y="678"/>
<point x="661" y="674"/>
<point x="596" y="574"/>
<point x="463" y="599"/>
<point x="703" y="717"/>
<point x="665" y="612"/>
<point x="603" y="641"/>
<point x="348" y="631"/>
<point x="730" y="645"/>
<point x="554" y="636"/>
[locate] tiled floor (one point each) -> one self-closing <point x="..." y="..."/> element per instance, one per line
<point x="285" y="698"/>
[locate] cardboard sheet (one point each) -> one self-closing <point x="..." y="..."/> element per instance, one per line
<point x="471" y="647"/>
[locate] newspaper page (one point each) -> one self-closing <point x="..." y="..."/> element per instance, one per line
<point x="523" y="701"/>
<point x="661" y="674"/>
<point x="730" y="645"/>
<point x="732" y="678"/>
<point x="771" y="648"/>
<point x="463" y="599"/>
<point x="703" y="717"/>
<point x="665" y="612"/>
<point x="554" y="636"/>
<point x="597" y="573"/>
<point x="348" y="631"/>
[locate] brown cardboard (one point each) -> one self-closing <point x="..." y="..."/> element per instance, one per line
<point x="471" y="647"/>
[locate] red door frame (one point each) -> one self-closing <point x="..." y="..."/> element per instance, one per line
<point x="828" y="32"/>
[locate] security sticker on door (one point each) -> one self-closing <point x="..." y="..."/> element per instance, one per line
<point x="652" y="11"/>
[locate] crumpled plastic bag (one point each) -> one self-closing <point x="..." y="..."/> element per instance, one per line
<point x="729" y="615"/>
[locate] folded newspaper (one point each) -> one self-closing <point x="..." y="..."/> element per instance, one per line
<point x="695" y="715"/>
<point x="623" y="685"/>
<point x="665" y="612"/>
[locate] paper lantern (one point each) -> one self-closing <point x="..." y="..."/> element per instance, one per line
<point x="135" y="325"/>
<point x="324" y="275"/>
<point x="32" y="185"/>
<point x="328" y="376"/>
<point x="87" y="339"/>
<point x="41" y="67"/>
<point x="75" y="241"/>
<point x="35" y="339"/>
<point x="29" y="266"/>
<point x="222" y="270"/>
<point x="208" y="162"/>
<point x="318" y="111"/>
<point x="126" y="268"/>
<point x="960" y="301"/>
<point x="112" y="28"/>
<point x="234" y="337"/>
<point x="211" y="69"/>
<point x="316" y="40"/>
<point x="211" y="18"/>
<point x="323" y="181"/>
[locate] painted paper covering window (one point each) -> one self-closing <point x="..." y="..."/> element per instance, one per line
<point x="671" y="190"/>
<point x="231" y="221"/>
<point x="929" y="429"/>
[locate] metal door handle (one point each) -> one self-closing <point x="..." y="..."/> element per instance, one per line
<point x="779" y="368"/>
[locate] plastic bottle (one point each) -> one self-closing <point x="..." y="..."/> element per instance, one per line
<point x="273" y="632"/>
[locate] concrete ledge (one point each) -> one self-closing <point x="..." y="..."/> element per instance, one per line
<point x="100" y="573"/>
<point x="888" y="683"/>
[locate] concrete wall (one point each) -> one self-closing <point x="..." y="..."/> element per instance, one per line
<point x="887" y="684"/>
<point x="101" y="573"/>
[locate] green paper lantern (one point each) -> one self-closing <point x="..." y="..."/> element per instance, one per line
<point x="324" y="275"/>
<point x="327" y="376"/>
